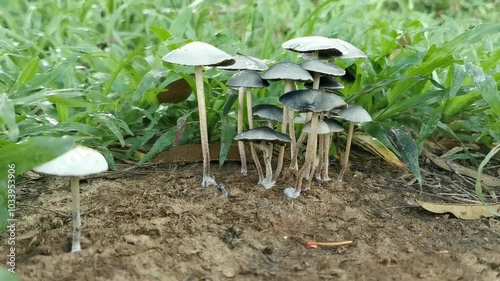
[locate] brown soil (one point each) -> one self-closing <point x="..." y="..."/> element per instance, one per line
<point x="157" y="223"/>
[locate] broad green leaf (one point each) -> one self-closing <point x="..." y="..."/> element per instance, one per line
<point x="27" y="73"/>
<point x="34" y="152"/>
<point x="45" y="78"/>
<point x="228" y="131"/>
<point x="114" y="127"/>
<point x="410" y="103"/>
<point x="486" y="86"/>
<point x="8" y="116"/>
<point x="161" y="143"/>
<point x="459" y="75"/>
<point x="70" y="102"/>
<point x="231" y="98"/>
<point x="408" y="150"/>
<point x="441" y="56"/>
<point x="426" y="131"/>
<point x="149" y="81"/>
<point x="62" y="113"/>
<point x="160" y="32"/>
<point x="36" y="129"/>
<point x="457" y="105"/>
<point x="182" y="19"/>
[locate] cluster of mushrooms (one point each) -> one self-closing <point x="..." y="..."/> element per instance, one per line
<point x="317" y="101"/>
<point x="317" y="105"/>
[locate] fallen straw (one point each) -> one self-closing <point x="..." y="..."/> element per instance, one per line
<point x="314" y="245"/>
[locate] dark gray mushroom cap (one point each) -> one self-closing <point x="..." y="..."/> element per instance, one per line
<point x="268" y="111"/>
<point x="263" y="134"/>
<point x="323" y="68"/>
<point x="311" y="101"/>
<point x="244" y="62"/>
<point x="355" y="113"/>
<point x="197" y="54"/>
<point x="334" y="125"/>
<point x="323" y="128"/>
<point x="248" y="79"/>
<point x="287" y="71"/>
<point x="327" y="83"/>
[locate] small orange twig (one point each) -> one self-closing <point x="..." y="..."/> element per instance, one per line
<point x="314" y="245"/>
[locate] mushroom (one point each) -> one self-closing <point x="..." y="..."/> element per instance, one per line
<point x="269" y="112"/>
<point x="246" y="80"/>
<point x="355" y="114"/>
<point x="327" y="84"/>
<point x="199" y="54"/>
<point x="243" y="62"/>
<point x="322" y="130"/>
<point x="77" y="162"/>
<point x="289" y="72"/>
<point x="320" y="47"/>
<point x="314" y="101"/>
<point x="264" y="137"/>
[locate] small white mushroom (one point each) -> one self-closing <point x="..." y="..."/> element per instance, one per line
<point x="77" y="162"/>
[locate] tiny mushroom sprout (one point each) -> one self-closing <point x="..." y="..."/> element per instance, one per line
<point x="355" y="114"/>
<point x="265" y="137"/>
<point x="199" y="54"/>
<point x="244" y="81"/>
<point x="77" y="162"/>
<point x="314" y="101"/>
<point x="289" y="72"/>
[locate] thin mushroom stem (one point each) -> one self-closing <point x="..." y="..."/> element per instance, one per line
<point x="75" y="214"/>
<point x="310" y="152"/>
<point x="347" y="151"/>
<point x="326" y="153"/>
<point x="314" y="141"/>
<point x="241" y="145"/>
<point x="268" y="181"/>
<point x="319" y="157"/>
<point x="286" y="120"/>
<point x="255" y="157"/>
<point x="200" y="95"/>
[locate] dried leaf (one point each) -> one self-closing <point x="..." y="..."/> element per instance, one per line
<point x="462" y="211"/>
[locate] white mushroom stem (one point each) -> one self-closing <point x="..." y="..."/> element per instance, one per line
<point x="314" y="147"/>
<point x="287" y="119"/>
<point x="347" y="151"/>
<point x="321" y="152"/>
<point x="200" y="95"/>
<point x="255" y="157"/>
<point x="310" y="153"/>
<point x="241" y="145"/>
<point x="326" y="159"/>
<point x="75" y="214"/>
<point x="267" y="152"/>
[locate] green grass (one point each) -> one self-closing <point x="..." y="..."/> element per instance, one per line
<point x="92" y="69"/>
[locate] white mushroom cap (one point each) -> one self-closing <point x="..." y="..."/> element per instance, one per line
<point x="323" y="128"/>
<point x="197" y="54"/>
<point x="79" y="161"/>
<point x="355" y="113"/>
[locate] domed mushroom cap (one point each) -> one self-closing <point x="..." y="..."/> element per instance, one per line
<point x="268" y="111"/>
<point x="311" y="101"/>
<point x="327" y="83"/>
<point x="323" y="68"/>
<point x="79" y="161"/>
<point x="263" y="134"/>
<point x="335" y="126"/>
<point x="287" y="71"/>
<point x="323" y="128"/>
<point x="355" y="113"/>
<point x="248" y="79"/>
<point x="309" y="44"/>
<point x="353" y="52"/>
<point x="197" y="54"/>
<point x="244" y="62"/>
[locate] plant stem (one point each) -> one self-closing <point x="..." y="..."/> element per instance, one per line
<point x="241" y="145"/>
<point x="347" y="151"/>
<point x="75" y="214"/>
<point x="202" y="110"/>
<point x="289" y="86"/>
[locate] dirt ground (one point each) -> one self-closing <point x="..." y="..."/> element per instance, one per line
<point x="157" y="223"/>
